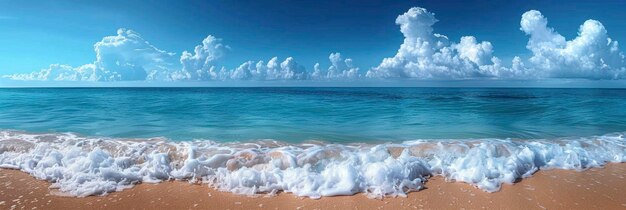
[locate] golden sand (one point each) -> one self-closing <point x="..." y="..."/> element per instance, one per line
<point x="549" y="189"/>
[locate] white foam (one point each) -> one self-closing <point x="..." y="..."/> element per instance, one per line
<point x="83" y="166"/>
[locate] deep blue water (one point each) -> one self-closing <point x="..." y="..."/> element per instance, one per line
<point x="329" y="114"/>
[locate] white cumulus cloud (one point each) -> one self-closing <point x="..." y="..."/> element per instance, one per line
<point x="59" y="72"/>
<point x="124" y="57"/>
<point x="428" y="55"/>
<point x="592" y="54"/>
<point x="288" y="69"/>
<point x="423" y="55"/>
<point x="339" y="69"/>
<point x="128" y="56"/>
<point x="202" y="63"/>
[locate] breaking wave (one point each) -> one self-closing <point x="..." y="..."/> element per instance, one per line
<point x="83" y="166"/>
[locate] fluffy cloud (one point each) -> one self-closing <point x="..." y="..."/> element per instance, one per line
<point x="201" y="65"/>
<point x="288" y="69"/>
<point x="128" y="56"/>
<point x="60" y="72"/>
<point x="339" y="69"/>
<point x="428" y="55"/>
<point x="124" y="57"/>
<point x="422" y="55"/>
<point x="592" y="54"/>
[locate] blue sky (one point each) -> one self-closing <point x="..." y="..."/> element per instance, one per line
<point x="35" y="34"/>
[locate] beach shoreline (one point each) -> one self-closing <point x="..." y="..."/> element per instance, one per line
<point x="598" y="188"/>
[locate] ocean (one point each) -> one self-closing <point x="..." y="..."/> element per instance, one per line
<point x="311" y="142"/>
<point x="327" y="114"/>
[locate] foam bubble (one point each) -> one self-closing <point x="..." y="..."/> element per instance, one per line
<point x="83" y="166"/>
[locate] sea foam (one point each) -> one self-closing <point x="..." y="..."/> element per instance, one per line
<point x="83" y="166"/>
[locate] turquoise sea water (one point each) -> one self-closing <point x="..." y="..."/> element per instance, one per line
<point x="327" y="114"/>
<point x="377" y="141"/>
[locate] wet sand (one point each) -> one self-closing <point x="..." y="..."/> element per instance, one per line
<point x="550" y="189"/>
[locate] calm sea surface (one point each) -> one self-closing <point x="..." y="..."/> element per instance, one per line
<point x="328" y="114"/>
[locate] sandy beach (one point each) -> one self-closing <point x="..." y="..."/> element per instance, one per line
<point x="548" y="189"/>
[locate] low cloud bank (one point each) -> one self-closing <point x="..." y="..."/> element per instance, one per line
<point x="423" y="55"/>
